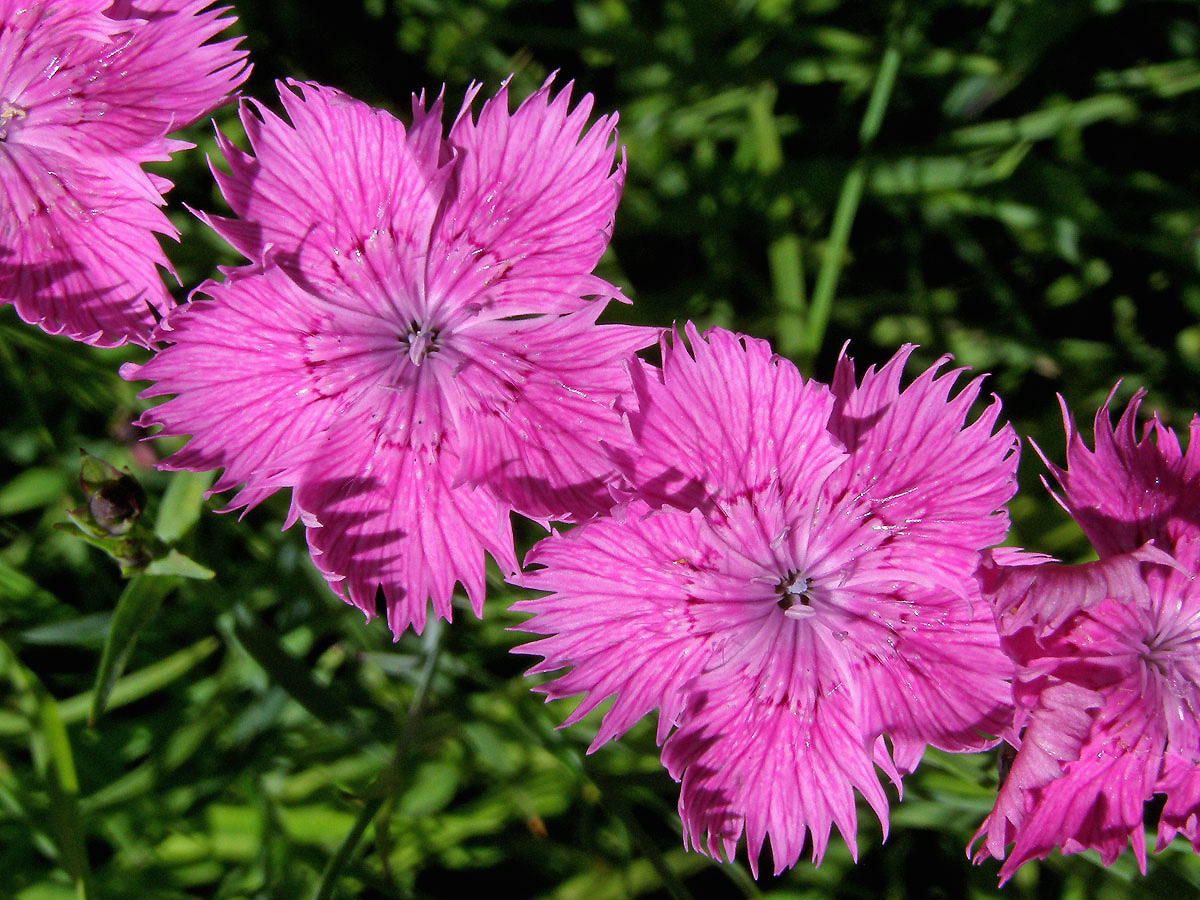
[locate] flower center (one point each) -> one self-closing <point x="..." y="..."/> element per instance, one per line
<point x="8" y="112"/>
<point x="420" y="342"/>
<point x="793" y="596"/>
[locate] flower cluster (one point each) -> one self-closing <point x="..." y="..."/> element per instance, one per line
<point x="793" y="581"/>
<point x="1107" y="688"/>
<point x="798" y="577"/>
<point x="89" y="89"/>
<point x="413" y="347"/>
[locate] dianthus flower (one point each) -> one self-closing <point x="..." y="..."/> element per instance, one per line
<point x="414" y="348"/>
<point x="1107" y="689"/>
<point x="89" y="90"/>
<point x="795" y="581"/>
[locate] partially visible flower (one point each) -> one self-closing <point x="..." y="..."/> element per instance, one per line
<point x="414" y="348"/>
<point x="89" y="91"/>
<point x="1107" y="689"/>
<point x="795" y="583"/>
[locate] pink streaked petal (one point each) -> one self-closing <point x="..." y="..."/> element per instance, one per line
<point x="531" y="204"/>
<point x="79" y="256"/>
<point x="924" y="471"/>
<point x="1055" y="736"/>
<point x="319" y="187"/>
<point x="237" y="368"/>
<point x="1044" y="596"/>
<point x="1098" y="801"/>
<point x="1126" y="492"/>
<point x="163" y="75"/>
<point x="1180" y="781"/>
<point x="772" y="770"/>
<point x="385" y="521"/>
<point x="726" y="419"/>
<point x="946" y="681"/>
<point x="630" y="636"/>
<point x="549" y="452"/>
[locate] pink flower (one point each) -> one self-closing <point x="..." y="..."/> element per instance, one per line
<point x="415" y="352"/>
<point x="1108" y="653"/>
<point x="89" y="89"/>
<point x="796" y="582"/>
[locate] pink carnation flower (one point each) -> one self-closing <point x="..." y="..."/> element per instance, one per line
<point x="415" y="352"/>
<point x="89" y="89"/>
<point x="795" y="583"/>
<point x="1108" y="653"/>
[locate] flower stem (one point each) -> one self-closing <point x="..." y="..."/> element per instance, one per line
<point x="386" y="782"/>
<point x="847" y="206"/>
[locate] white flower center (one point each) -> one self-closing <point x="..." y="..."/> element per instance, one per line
<point x="421" y="342"/>
<point x="8" y="112"/>
<point x="793" y="596"/>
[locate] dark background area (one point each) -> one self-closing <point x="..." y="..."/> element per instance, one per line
<point x="1030" y="203"/>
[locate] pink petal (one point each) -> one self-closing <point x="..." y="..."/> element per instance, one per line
<point x="237" y="371"/>
<point x="384" y="520"/>
<point x="320" y="187"/>
<point x="1127" y="492"/>
<point x="727" y="419"/>
<point x="78" y="254"/>
<point x="1180" y="781"/>
<point x="1045" y="596"/>
<point x="628" y="635"/>
<point x="164" y="75"/>
<point x="774" y="770"/>
<point x="88" y="96"/>
<point x="946" y="681"/>
<point x="531" y="204"/>
<point x="548" y="452"/>
<point x="923" y="470"/>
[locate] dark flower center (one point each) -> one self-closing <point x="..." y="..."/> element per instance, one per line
<point x="794" y="599"/>
<point x="8" y="112"/>
<point x="420" y="342"/>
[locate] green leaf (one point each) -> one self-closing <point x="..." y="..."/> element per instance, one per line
<point x="32" y="489"/>
<point x="175" y="563"/>
<point x="289" y="673"/>
<point x="138" y="603"/>
<point x="182" y="504"/>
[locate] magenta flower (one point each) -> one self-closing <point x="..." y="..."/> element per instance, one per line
<point x="795" y="583"/>
<point x="415" y="352"/>
<point x="1108" y="655"/>
<point x="89" y="90"/>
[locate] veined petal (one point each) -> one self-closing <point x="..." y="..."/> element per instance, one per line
<point x="548" y="451"/>
<point x="1045" y="596"/>
<point x="770" y="770"/>
<point x="1127" y="492"/>
<point x="78" y="256"/>
<point x="530" y="208"/>
<point x="320" y="187"/>
<point x="242" y="388"/>
<point x="163" y="74"/>
<point x="909" y="699"/>
<point x="384" y="520"/>
<point x="1180" y="781"/>
<point x="629" y="635"/>
<point x="89" y="92"/>
<point x="925" y="472"/>
<point x="724" y="420"/>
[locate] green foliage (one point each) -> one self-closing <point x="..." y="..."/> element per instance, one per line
<point x="999" y="179"/>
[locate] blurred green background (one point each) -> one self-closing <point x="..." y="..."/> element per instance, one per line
<point x="1010" y="181"/>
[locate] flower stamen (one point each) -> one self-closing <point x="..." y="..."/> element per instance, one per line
<point x="794" y="599"/>
<point x="421" y="342"/>
<point x="8" y="112"/>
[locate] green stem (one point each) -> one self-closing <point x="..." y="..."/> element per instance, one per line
<point x="847" y="207"/>
<point x="385" y="785"/>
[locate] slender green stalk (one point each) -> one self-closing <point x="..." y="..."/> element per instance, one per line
<point x="847" y="207"/>
<point x="385" y="784"/>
